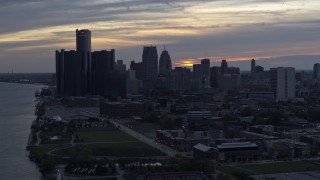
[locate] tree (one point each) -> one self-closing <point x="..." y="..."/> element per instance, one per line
<point x="76" y="139"/>
<point x="224" y="176"/>
<point x="150" y="117"/>
<point x="47" y="164"/>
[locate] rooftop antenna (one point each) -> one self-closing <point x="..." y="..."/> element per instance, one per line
<point x="164" y="46"/>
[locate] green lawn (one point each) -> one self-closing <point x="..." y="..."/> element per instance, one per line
<point x="110" y="142"/>
<point x="38" y="152"/>
<point x="63" y="137"/>
<point x="270" y="168"/>
<point x="103" y="135"/>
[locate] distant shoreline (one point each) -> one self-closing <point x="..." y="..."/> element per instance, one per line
<point x="31" y="83"/>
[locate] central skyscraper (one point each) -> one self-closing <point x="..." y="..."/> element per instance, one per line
<point x="73" y="67"/>
<point x="83" y="46"/>
<point x="83" y="40"/>
<point x="150" y="63"/>
<point x="81" y="72"/>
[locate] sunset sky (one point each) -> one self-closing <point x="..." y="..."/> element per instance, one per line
<point x="276" y="32"/>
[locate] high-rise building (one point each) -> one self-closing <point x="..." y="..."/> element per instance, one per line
<point x="224" y="67"/>
<point x="138" y="68"/>
<point x="282" y="80"/>
<point x="165" y="63"/>
<point x="316" y="71"/>
<point x="179" y="79"/>
<point x="121" y="67"/>
<point x="205" y="72"/>
<point x="116" y="85"/>
<point x="83" y="45"/>
<point x="132" y="84"/>
<point x="253" y="69"/>
<point x="81" y="73"/>
<point x="230" y="82"/>
<point x="259" y="69"/>
<point x="102" y="65"/>
<point x="196" y="76"/>
<point x="215" y="76"/>
<point x="83" y="40"/>
<point x="70" y="73"/>
<point x="233" y="70"/>
<point x="150" y="63"/>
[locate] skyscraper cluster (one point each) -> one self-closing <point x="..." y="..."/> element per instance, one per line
<point x="152" y="70"/>
<point x="225" y="77"/>
<point x="81" y="72"/>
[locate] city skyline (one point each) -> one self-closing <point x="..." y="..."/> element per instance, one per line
<point x="287" y="33"/>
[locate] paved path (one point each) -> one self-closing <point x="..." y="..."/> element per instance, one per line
<point x="73" y="137"/>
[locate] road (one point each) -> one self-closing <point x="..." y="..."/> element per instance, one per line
<point x="167" y="150"/>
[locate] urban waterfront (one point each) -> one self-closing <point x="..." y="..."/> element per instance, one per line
<point x="17" y="113"/>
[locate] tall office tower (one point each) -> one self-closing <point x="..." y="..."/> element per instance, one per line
<point x="253" y="69"/>
<point x="316" y="71"/>
<point x="150" y="63"/>
<point x="196" y="76"/>
<point x="138" y="68"/>
<point x="83" y="45"/>
<point x="116" y="85"/>
<point x="121" y="67"/>
<point x="215" y="76"/>
<point x="132" y="84"/>
<point x="102" y="65"/>
<point x="205" y="71"/>
<point x="282" y="81"/>
<point x="70" y="73"/>
<point x="83" y="40"/>
<point x="224" y="67"/>
<point x="165" y="63"/>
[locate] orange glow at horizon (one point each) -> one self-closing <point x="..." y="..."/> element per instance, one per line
<point x="191" y="62"/>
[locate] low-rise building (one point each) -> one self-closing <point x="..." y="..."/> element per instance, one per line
<point x="182" y="141"/>
<point x="287" y="149"/>
<point x="203" y="152"/>
<point x="238" y="152"/>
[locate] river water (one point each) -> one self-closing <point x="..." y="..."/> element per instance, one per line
<point x="16" y="115"/>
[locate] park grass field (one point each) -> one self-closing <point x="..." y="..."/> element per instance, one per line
<point x="271" y="168"/>
<point x="103" y="135"/>
<point x="110" y="143"/>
